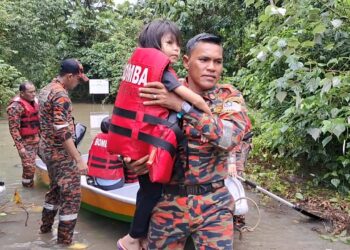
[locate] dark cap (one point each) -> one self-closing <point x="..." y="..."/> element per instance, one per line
<point x="202" y="37"/>
<point x="105" y="125"/>
<point x="73" y="66"/>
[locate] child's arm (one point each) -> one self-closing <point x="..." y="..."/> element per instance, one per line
<point x="190" y="96"/>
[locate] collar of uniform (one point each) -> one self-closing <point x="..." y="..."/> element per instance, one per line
<point x="56" y="80"/>
<point x="210" y="94"/>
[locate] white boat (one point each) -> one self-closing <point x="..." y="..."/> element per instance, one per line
<point x="116" y="204"/>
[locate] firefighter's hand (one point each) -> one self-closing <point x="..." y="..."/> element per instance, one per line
<point x="138" y="166"/>
<point x="159" y="95"/>
<point x="83" y="169"/>
<point x="232" y="170"/>
<point x="22" y="152"/>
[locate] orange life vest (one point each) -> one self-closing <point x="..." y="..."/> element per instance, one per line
<point x="137" y="130"/>
<point x="30" y="118"/>
<point x="101" y="163"/>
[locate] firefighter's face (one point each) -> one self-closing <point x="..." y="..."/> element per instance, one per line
<point x="72" y="81"/>
<point x="29" y="93"/>
<point x="204" y="66"/>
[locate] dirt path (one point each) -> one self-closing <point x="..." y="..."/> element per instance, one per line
<point x="282" y="228"/>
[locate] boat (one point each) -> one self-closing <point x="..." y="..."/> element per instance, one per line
<point x="117" y="204"/>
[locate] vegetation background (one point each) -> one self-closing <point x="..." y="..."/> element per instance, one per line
<point x="290" y="59"/>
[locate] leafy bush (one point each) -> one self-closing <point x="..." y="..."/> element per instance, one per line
<point x="10" y="79"/>
<point x="298" y="77"/>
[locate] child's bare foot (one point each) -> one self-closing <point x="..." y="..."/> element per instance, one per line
<point x="128" y="243"/>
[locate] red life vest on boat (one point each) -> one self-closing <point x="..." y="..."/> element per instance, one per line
<point x="101" y="163"/>
<point x="137" y="130"/>
<point x="30" y="118"/>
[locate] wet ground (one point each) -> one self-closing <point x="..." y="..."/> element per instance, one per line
<point x="280" y="228"/>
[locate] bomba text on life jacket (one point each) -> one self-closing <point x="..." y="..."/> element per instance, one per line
<point x="135" y="74"/>
<point x="101" y="143"/>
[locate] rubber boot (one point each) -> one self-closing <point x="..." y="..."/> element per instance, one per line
<point x="65" y="232"/>
<point x="48" y="218"/>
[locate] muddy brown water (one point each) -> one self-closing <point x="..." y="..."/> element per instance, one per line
<point x="281" y="228"/>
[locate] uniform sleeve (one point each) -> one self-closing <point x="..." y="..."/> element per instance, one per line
<point x="242" y="152"/>
<point x="61" y="109"/>
<point x="14" y="112"/>
<point x="169" y="80"/>
<point x="226" y="129"/>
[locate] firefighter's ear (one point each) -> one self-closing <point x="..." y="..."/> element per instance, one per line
<point x="185" y="60"/>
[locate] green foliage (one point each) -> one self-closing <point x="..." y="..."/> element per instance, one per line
<point x="298" y="77"/>
<point x="35" y="35"/>
<point x="291" y="61"/>
<point x="106" y="59"/>
<point x="10" y="78"/>
<point x="226" y="18"/>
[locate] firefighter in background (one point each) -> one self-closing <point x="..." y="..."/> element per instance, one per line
<point x="24" y="125"/>
<point x="57" y="150"/>
<point x="105" y="169"/>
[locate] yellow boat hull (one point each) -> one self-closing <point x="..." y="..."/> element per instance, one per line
<point x="99" y="201"/>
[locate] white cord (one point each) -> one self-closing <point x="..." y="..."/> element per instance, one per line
<point x="248" y="228"/>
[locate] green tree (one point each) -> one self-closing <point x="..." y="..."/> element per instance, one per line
<point x="10" y="78"/>
<point x="298" y="78"/>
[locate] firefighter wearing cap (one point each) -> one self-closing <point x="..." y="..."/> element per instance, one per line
<point x="57" y="149"/>
<point x="23" y="120"/>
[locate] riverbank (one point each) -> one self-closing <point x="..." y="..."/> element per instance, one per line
<point x="282" y="178"/>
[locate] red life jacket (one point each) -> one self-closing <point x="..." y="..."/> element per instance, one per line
<point x="101" y="163"/>
<point x="30" y="118"/>
<point x="137" y="130"/>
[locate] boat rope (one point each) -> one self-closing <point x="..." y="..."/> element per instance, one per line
<point x="246" y="228"/>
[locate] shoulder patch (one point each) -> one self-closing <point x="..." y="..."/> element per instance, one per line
<point x="229" y="89"/>
<point x="232" y="105"/>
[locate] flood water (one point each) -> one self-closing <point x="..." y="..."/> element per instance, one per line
<point x="280" y="228"/>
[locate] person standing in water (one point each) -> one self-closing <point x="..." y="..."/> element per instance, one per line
<point x="23" y="120"/>
<point x="57" y="150"/>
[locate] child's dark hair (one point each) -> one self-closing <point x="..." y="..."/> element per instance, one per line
<point x="152" y="33"/>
